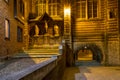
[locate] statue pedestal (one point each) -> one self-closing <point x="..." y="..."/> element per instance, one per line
<point x="46" y="39"/>
<point x="36" y="40"/>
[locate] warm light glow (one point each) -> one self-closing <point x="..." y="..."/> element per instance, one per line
<point x="67" y="11"/>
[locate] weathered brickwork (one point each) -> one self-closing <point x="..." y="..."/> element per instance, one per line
<point x="11" y="46"/>
<point x="3" y="14"/>
<point x="113" y="52"/>
<point x="103" y="32"/>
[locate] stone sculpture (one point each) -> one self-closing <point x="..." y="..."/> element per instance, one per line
<point x="36" y="30"/>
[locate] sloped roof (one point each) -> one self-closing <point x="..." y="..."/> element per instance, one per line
<point x="44" y="17"/>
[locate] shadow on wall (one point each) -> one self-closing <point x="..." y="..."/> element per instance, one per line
<point x="96" y="51"/>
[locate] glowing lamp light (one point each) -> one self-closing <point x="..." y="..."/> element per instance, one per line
<point x="67" y="11"/>
<point x="85" y="47"/>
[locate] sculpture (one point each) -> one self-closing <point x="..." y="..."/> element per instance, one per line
<point x="46" y="26"/>
<point x="36" y="30"/>
<point x="56" y="30"/>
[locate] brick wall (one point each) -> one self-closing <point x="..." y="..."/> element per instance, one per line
<point x="11" y="46"/>
<point x="104" y="32"/>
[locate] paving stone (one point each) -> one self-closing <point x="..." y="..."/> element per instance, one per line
<point x="92" y="73"/>
<point x="100" y="73"/>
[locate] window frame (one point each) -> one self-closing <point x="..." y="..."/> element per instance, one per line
<point x="80" y="3"/>
<point x="53" y="11"/>
<point x="17" y="14"/>
<point x="40" y="4"/>
<point x="114" y="12"/>
<point x="19" y="34"/>
<point x="87" y="11"/>
<point x="7" y="29"/>
<point x="22" y="8"/>
<point x="54" y="8"/>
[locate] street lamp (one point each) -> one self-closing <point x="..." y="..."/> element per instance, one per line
<point x="67" y="24"/>
<point x="67" y="12"/>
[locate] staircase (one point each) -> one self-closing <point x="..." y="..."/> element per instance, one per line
<point x="38" y="53"/>
<point x="87" y="63"/>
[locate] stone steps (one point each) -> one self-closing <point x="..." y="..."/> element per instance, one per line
<point x="41" y="53"/>
<point x="45" y="47"/>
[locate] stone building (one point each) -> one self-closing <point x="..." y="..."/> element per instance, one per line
<point x="85" y="25"/>
<point x="13" y="26"/>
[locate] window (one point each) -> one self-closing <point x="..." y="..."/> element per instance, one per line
<point x="19" y="34"/>
<point x="81" y="9"/>
<point x="50" y="6"/>
<point x="40" y="7"/>
<point x="92" y="8"/>
<point x="19" y="10"/>
<point x="54" y="7"/>
<point x="86" y="8"/>
<point x="21" y="7"/>
<point x="112" y="13"/>
<point x="7" y="29"/>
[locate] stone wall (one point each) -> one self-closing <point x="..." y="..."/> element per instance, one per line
<point x="57" y="72"/>
<point x="113" y="32"/>
<point x="90" y="31"/>
<point x="103" y="31"/>
<point x="49" y="70"/>
<point x="113" y="53"/>
<point x="3" y="14"/>
<point x="99" y="46"/>
<point x="40" y="71"/>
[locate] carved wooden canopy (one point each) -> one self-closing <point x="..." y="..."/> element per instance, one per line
<point x="41" y="22"/>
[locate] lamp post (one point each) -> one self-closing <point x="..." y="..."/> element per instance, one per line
<point x="67" y="12"/>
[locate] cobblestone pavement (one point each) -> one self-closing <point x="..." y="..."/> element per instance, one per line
<point x="98" y="73"/>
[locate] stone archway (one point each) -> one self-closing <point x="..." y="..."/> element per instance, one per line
<point x="95" y="53"/>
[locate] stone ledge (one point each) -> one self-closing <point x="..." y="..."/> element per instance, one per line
<point x="21" y="74"/>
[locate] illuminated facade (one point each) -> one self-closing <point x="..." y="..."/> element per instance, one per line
<point x="13" y="26"/>
<point x="93" y="24"/>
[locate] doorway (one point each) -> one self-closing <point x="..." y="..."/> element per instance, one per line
<point x="85" y="55"/>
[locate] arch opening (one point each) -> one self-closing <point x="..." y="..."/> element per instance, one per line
<point x="89" y="53"/>
<point x="85" y="54"/>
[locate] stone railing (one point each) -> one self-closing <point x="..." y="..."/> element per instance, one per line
<point x="51" y="69"/>
<point x="40" y="71"/>
<point x="35" y="72"/>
